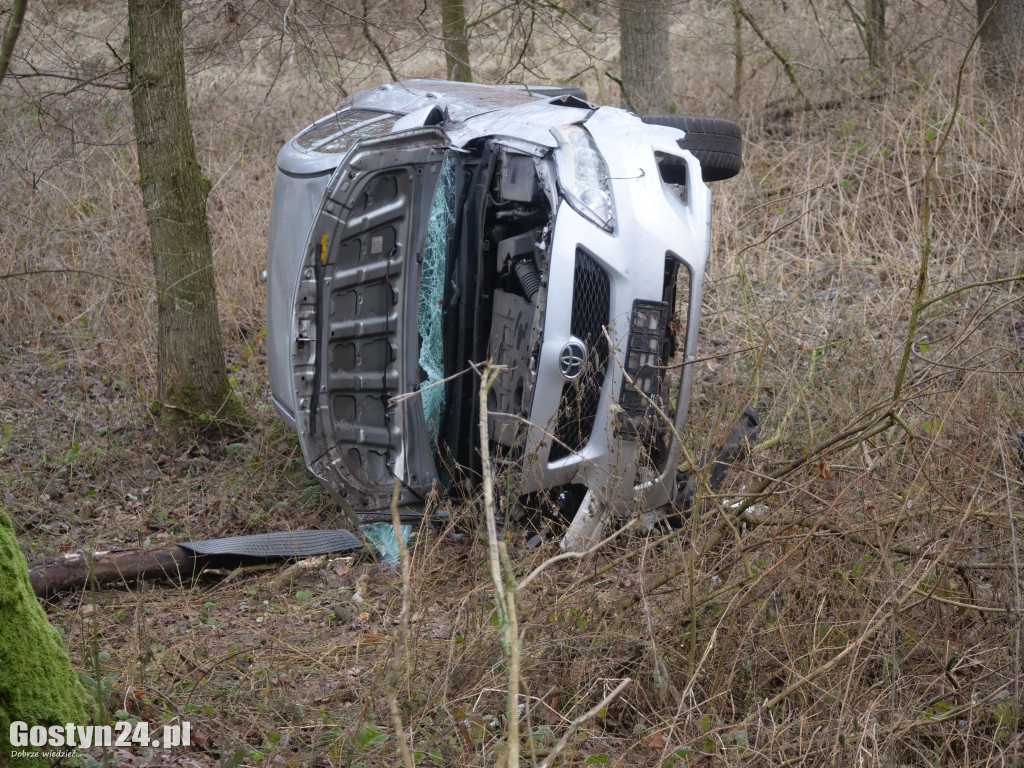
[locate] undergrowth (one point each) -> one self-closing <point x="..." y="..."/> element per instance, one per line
<point x="864" y="608"/>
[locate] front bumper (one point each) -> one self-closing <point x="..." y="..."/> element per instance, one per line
<point x="602" y="446"/>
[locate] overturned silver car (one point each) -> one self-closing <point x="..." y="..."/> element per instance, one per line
<point x="427" y="226"/>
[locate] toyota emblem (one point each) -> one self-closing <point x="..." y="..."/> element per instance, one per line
<point x="571" y="359"/>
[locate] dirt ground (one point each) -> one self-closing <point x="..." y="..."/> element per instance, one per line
<point x="852" y="596"/>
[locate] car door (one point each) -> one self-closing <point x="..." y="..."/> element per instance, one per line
<point x="356" y="342"/>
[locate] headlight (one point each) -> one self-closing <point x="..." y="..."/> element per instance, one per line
<point x="583" y="175"/>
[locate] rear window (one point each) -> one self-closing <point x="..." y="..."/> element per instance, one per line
<point x="368" y="131"/>
<point x="351" y="124"/>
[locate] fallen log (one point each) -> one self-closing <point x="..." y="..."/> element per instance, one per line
<point x="73" y="571"/>
<point x="183" y="561"/>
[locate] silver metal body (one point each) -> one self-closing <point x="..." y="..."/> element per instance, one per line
<point x="654" y="224"/>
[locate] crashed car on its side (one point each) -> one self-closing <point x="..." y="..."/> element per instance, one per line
<point x="427" y="226"/>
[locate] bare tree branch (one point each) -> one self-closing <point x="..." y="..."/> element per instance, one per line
<point x="82" y="81"/>
<point x="381" y="54"/>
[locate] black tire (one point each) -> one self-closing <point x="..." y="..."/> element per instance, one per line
<point x="716" y="143"/>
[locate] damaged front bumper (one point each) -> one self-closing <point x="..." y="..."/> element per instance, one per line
<point x="598" y="430"/>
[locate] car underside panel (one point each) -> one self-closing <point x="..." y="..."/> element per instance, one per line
<point x="357" y="318"/>
<point x="511" y="331"/>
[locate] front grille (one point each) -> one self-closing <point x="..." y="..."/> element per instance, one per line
<point x="662" y="379"/>
<point x="591" y="304"/>
<point x="646" y="354"/>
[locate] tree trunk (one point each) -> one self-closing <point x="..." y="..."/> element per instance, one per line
<point x="874" y="32"/>
<point x="644" y="57"/>
<point x="17" y="11"/>
<point x="1002" y="41"/>
<point x="738" y="54"/>
<point x="456" y="44"/>
<point x="37" y="684"/>
<point x="75" y="570"/>
<point x="191" y="379"/>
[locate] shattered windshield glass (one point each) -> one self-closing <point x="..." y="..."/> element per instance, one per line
<point x="431" y="299"/>
<point x="341" y="123"/>
<point x="342" y="143"/>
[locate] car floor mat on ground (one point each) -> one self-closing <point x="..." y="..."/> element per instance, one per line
<point x="280" y="545"/>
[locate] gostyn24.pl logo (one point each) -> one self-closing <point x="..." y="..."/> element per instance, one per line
<point x="121" y="734"/>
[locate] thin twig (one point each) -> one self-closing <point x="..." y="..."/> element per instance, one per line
<point x="1016" y="587"/>
<point x="80" y="82"/>
<point x="787" y="66"/>
<point x="574" y="555"/>
<point x="399" y="647"/>
<point x="970" y="287"/>
<point x="418" y="392"/>
<point x="504" y="583"/>
<point x="921" y="283"/>
<point x="957" y="604"/>
<point x="381" y="53"/>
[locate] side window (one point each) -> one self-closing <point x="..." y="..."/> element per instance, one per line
<point x="337" y="133"/>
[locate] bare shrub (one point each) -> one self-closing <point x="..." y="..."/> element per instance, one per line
<point x="864" y="609"/>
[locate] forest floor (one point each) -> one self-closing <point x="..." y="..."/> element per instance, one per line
<point x="864" y="609"/>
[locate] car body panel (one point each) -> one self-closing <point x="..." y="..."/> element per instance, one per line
<point x="353" y="353"/>
<point x="336" y="369"/>
<point x="296" y="200"/>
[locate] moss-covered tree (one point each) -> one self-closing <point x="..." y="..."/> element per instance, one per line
<point x="192" y="382"/>
<point x="37" y="684"/>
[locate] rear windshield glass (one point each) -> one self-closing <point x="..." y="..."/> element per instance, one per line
<point x="368" y="131"/>
<point x="318" y="134"/>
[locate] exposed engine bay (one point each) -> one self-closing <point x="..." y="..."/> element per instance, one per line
<point x="507" y="317"/>
<point x="521" y="229"/>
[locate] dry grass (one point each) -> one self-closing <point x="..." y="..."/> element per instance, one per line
<point x="865" y="611"/>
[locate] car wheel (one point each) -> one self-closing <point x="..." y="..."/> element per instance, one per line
<point x="716" y="143"/>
